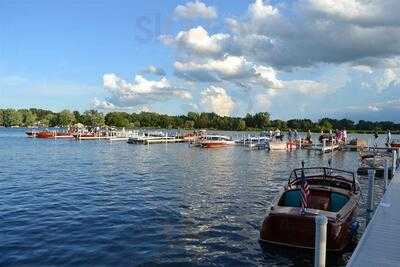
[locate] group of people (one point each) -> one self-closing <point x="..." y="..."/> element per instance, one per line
<point x="339" y="136"/>
<point x="292" y="135"/>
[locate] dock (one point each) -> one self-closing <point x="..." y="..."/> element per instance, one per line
<point x="164" y="141"/>
<point x="380" y="243"/>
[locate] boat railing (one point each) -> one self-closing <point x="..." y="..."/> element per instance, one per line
<point x="327" y="173"/>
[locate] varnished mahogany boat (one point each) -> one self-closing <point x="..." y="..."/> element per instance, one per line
<point x="333" y="193"/>
<point x="215" y="141"/>
<point x="50" y="134"/>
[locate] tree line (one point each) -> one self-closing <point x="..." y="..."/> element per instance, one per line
<point x="191" y="120"/>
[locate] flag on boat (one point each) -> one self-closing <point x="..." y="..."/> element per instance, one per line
<point x="304" y="192"/>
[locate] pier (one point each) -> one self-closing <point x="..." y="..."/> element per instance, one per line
<point x="380" y="243"/>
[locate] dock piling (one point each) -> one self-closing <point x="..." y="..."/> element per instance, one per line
<point x="320" y="240"/>
<point x="385" y="174"/>
<point x="370" y="200"/>
<point x="394" y="163"/>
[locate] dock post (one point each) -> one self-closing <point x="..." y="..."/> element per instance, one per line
<point x="394" y="163"/>
<point x="385" y="175"/>
<point x="320" y="240"/>
<point x="323" y="145"/>
<point x="370" y="200"/>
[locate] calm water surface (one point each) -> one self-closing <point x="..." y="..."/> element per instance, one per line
<point x="73" y="203"/>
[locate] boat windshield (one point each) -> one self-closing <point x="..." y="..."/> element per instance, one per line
<point x="325" y="176"/>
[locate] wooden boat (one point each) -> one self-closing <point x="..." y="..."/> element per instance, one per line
<point x="395" y="143"/>
<point x="277" y="145"/>
<point x="31" y="134"/>
<point x="53" y="134"/>
<point x="375" y="162"/>
<point x="333" y="193"/>
<point x="215" y="141"/>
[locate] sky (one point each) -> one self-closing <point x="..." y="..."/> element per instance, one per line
<point x="291" y="58"/>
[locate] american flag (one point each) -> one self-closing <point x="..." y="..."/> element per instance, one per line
<point x="304" y="192"/>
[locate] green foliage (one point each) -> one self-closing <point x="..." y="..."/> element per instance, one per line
<point x="192" y="120"/>
<point x="65" y="118"/>
<point x="93" y="118"/>
<point x="28" y="117"/>
<point x="117" y="119"/>
<point x="12" y="117"/>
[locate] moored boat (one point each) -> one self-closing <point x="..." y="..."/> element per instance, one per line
<point x="331" y="192"/>
<point x="215" y="141"/>
<point x="51" y="134"/>
<point x="277" y="145"/>
<point x="395" y="143"/>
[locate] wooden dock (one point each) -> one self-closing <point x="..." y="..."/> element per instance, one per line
<point x="380" y="243"/>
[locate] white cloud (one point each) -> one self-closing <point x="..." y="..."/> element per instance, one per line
<point x="317" y="31"/>
<point x="227" y="68"/>
<point x="390" y="77"/>
<point x="216" y="99"/>
<point x="154" y="70"/>
<point x="140" y="92"/>
<point x="361" y="12"/>
<point x="194" y="10"/>
<point x="260" y="10"/>
<point x="308" y="86"/>
<point x="196" y="40"/>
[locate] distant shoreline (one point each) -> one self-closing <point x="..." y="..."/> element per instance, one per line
<point x="260" y="121"/>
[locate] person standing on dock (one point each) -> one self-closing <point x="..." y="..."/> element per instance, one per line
<point x="389" y="138"/>
<point x="308" y="136"/>
<point x="376" y="139"/>
<point x="290" y="135"/>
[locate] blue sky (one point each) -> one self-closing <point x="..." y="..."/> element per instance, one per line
<point x="305" y="58"/>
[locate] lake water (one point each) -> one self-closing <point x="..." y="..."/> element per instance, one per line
<point x="65" y="202"/>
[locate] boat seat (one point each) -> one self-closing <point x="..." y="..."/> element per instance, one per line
<point x="290" y="199"/>
<point x="319" y="200"/>
<point x="337" y="201"/>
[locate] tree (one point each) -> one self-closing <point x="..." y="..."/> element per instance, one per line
<point x="325" y="125"/>
<point x="261" y="120"/>
<point x="78" y="118"/>
<point x="28" y="118"/>
<point x="65" y="118"/>
<point x="12" y="117"/>
<point x="241" y="125"/>
<point x="93" y="118"/>
<point x="117" y="119"/>
<point x="189" y="124"/>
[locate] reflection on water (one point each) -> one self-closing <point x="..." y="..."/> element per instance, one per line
<point x="100" y="203"/>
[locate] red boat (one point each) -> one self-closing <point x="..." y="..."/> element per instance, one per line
<point x="31" y="134"/>
<point x="50" y="134"/>
<point x="333" y="193"/>
<point x="215" y="141"/>
<point x="395" y="143"/>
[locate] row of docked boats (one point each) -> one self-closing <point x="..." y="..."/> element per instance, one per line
<point x="112" y="135"/>
<point x="197" y="138"/>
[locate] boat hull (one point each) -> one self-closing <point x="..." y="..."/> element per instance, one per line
<point x="51" y="135"/>
<point x="299" y="231"/>
<point x="216" y="144"/>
